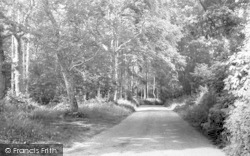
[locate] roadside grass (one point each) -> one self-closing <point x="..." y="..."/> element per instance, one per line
<point x="104" y="110"/>
<point x="18" y="127"/>
<point x="127" y="104"/>
<point x="45" y="113"/>
<point x="55" y="124"/>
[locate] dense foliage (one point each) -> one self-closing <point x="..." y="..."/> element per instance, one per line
<point x="217" y="51"/>
<point x="58" y="45"/>
<point x="237" y="83"/>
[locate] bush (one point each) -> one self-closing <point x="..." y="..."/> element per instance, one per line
<point x="214" y="127"/>
<point x="190" y="101"/>
<point x="135" y="101"/>
<point x="127" y="104"/>
<point x="238" y="125"/>
<point x="197" y="115"/>
<point x="96" y="109"/>
<point x="199" y="108"/>
<point x="201" y="111"/>
<point x="208" y="112"/>
<point x="151" y="101"/>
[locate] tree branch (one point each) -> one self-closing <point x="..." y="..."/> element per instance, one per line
<point x="126" y="42"/>
<point x="50" y="15"/>
<point x="100" y="44"/>
<point x="27" y="15"/>
<point x="79" y="63"/>
<point x="203" y="6"/>
<point x="23" y="28"/>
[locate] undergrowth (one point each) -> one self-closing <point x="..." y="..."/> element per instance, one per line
<point x="24" y="121"/>
<point x="207" y="112"/>
<point x="18" y="127"/>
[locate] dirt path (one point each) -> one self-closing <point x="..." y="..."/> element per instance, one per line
<point x="151" y="131"/>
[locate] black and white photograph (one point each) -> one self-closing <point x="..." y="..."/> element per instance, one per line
<point x="124" y="77"/>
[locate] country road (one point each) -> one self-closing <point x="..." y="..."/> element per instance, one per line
<point x="151" y="131"/>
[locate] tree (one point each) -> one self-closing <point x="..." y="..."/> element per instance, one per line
<point x="2" y="56"/>
<point x="16" y="27"/>
<point x="128" y="36"/>
<point x="61" y="50"/>
<point x="238" y="80"/>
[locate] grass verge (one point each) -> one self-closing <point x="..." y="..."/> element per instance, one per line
<point x="23" y="122"/>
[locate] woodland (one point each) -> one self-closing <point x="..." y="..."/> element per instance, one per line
<point x="72" y="51"/>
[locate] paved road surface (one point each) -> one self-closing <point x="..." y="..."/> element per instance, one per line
<point x="151" y="131"/>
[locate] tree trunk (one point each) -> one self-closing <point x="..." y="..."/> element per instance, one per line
<point x="141" y="92"/>
<point x="69" y="84"/>
<point x="2" y="77"/>
<point x="154" y="88"/>
<point x="20" y="65"/>
<point x="99" y="93"/>
<point x="132" y="85"/>
<point x="15" y="66"/>
<point x="17" y="77"/>
<point x="27" y="63"/>
<point x="17" y="83"/>
<point x="157" y="93"/>
<point x="108" y="95"/>
<point x="84" y="97"/>
<point x="70" y="88"/>
<point x="13" y="52"/>
<point x="146" y="86"/>
<point x="136" y="89"/>
<point x="121" y="85"/>
<point x="116" y="76"/>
